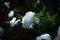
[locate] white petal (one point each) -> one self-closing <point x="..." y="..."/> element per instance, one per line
<point x="17" y="21"/>
<point x="12" y="22"/>
<point x="30" y="13"/>
<point x="11" y="14"/>
<point x="28" y="16"/>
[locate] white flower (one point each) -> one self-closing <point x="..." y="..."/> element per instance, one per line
<point x="13" y="22"/>
<point x="44" y="37"/>
<point x="28" y="19"/>
<point x="7" y="4"/>
<point x="11" y="13"/>
<point x="58" y="34"/>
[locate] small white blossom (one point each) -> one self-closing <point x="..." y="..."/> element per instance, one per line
<point x="13" y="22"/>
<point x="28" y="19"/>
<point x="7" y="4"/>
<point x="44" y="37"/>
<point x="11" y="13"/>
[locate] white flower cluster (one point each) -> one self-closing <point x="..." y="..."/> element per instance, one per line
<point x="28" y="20"/>
<point x="44" y="37"/>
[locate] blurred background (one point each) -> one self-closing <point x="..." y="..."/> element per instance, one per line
<point x="46" y="10"/>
